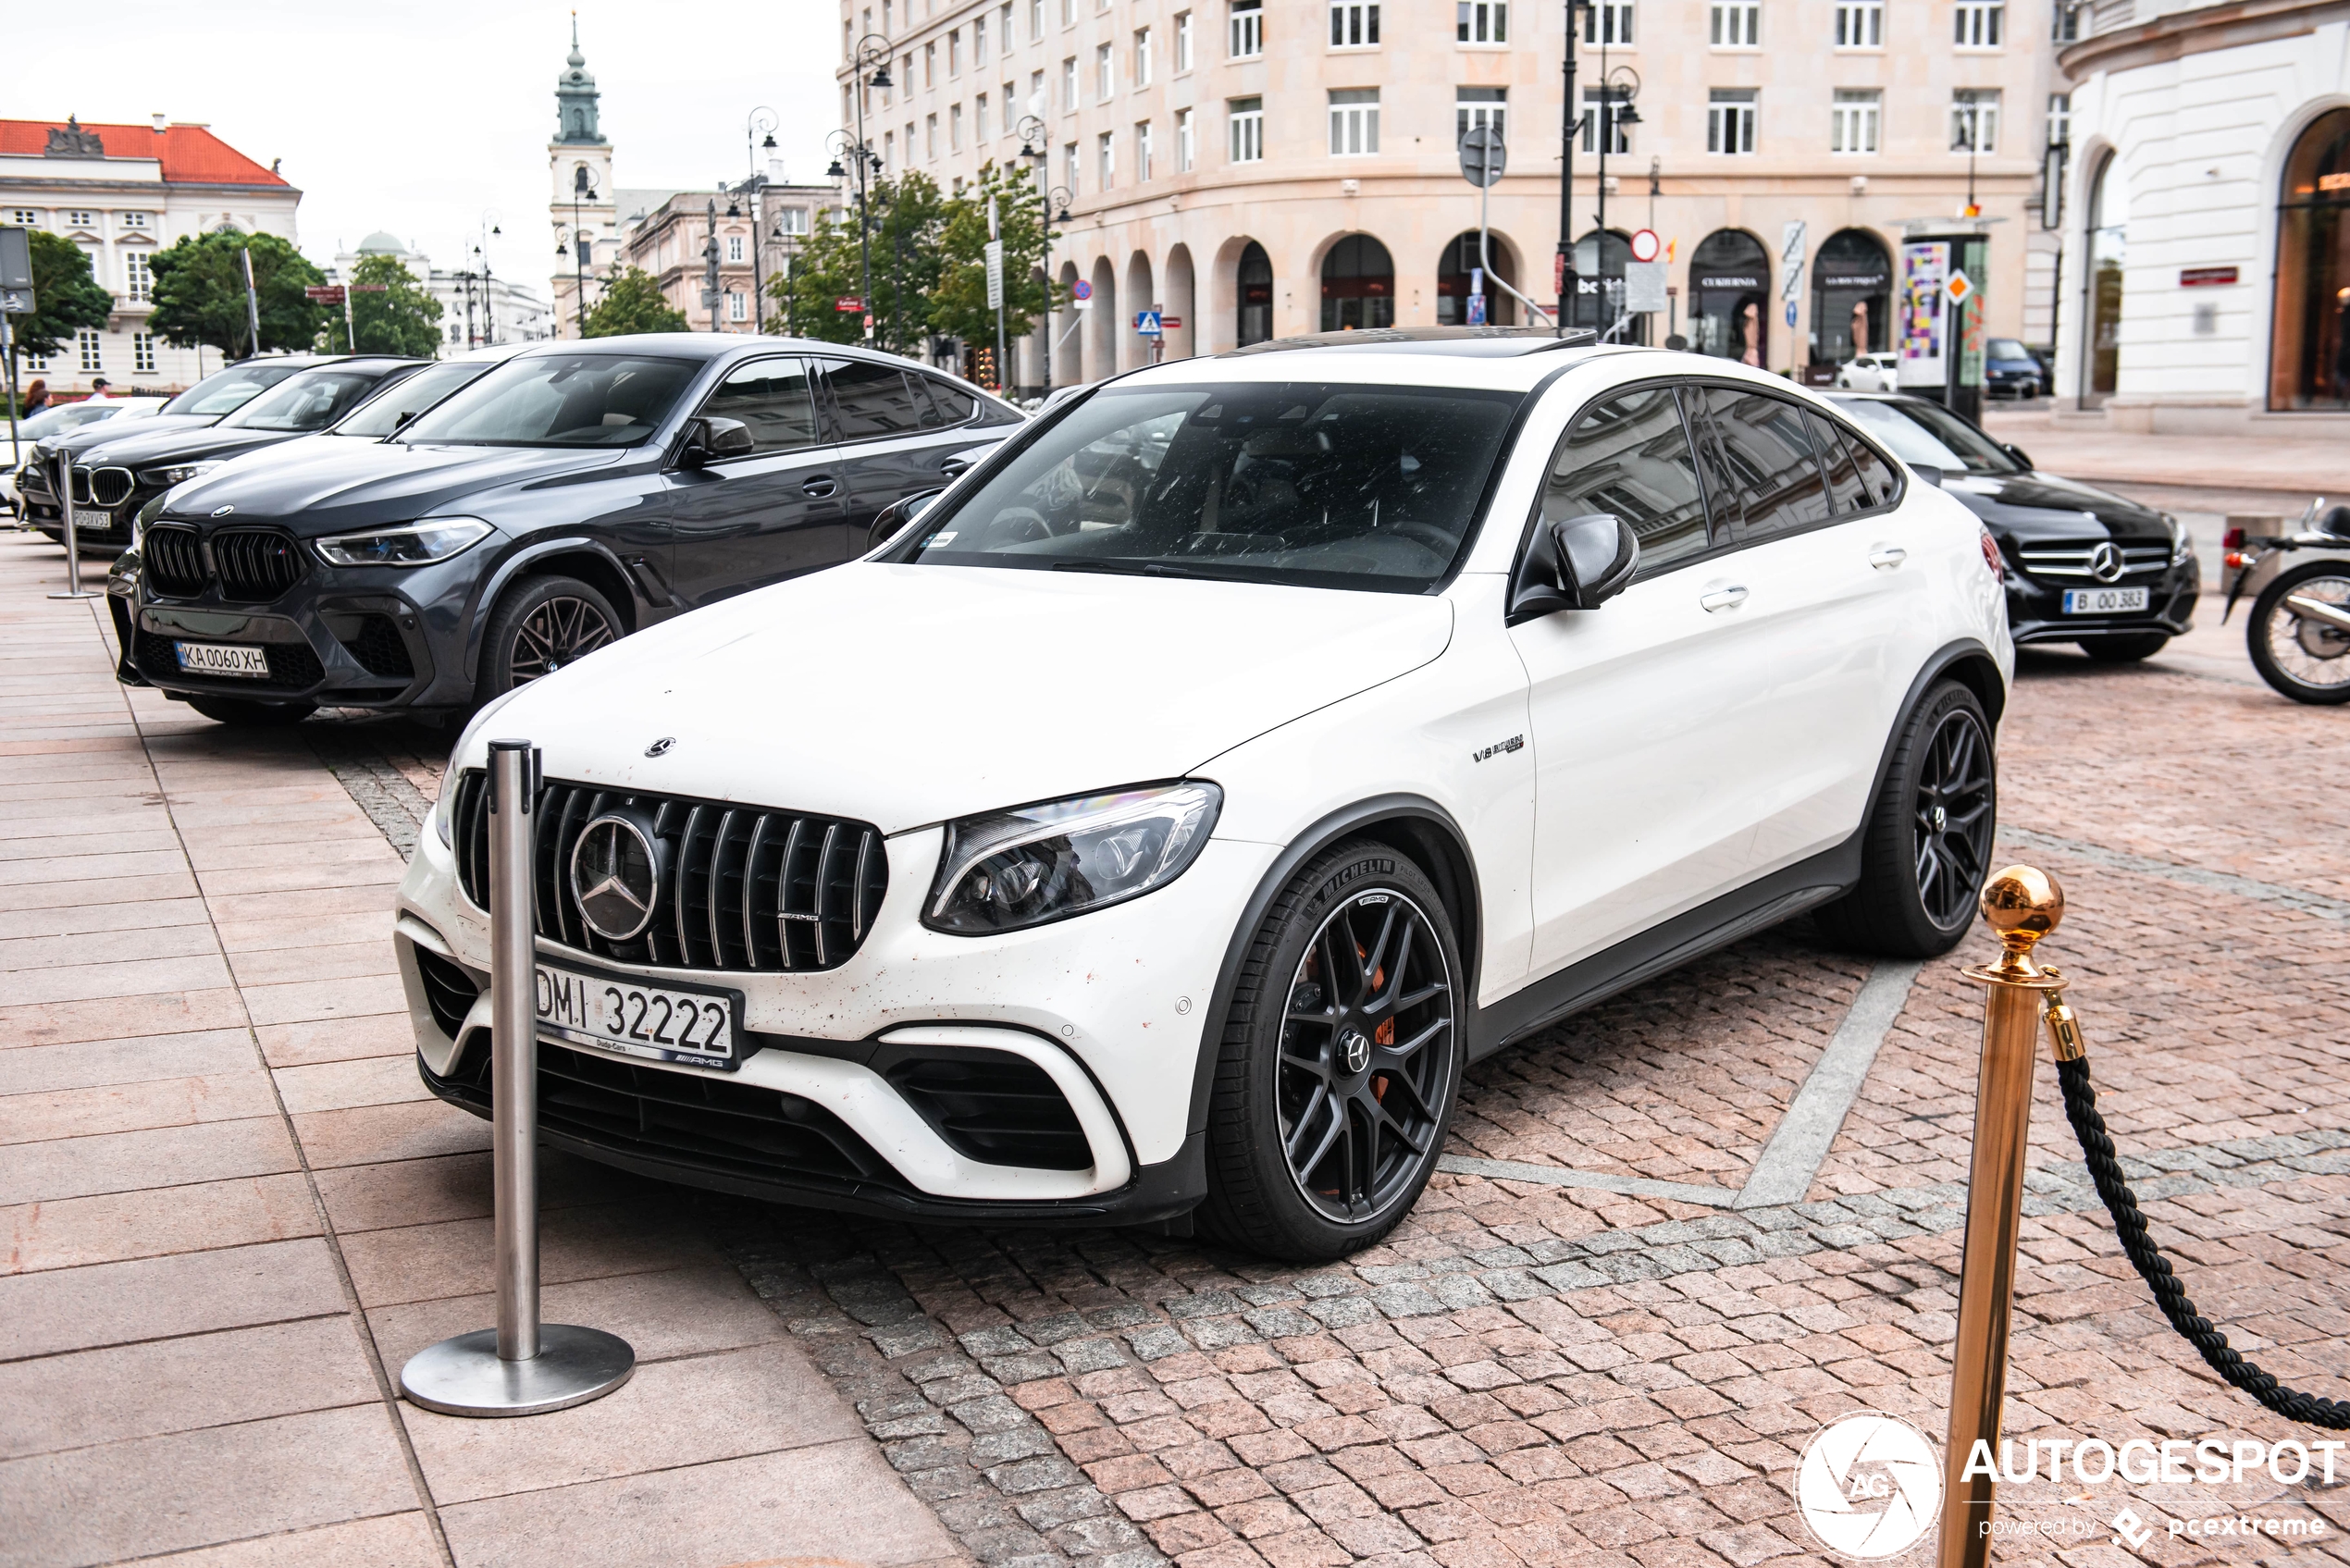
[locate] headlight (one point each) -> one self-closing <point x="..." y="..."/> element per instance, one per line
<point x="1022" y="868"/>
<point x="178" y="473"/>
<point x="415" y="544"/>
<point x="2182" y="546"/>
<point x="145" y="515"/>
<point x="447" y="801"/>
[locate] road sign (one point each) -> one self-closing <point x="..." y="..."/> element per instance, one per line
<point x="1644" y="287"/>
<point x="1169" y="322"/>
<point x="371" y="288"/>
<point x="1146" y="323"/>
<point x="1959" y="288"/>
<point x="325" y="293"/>
<point x="1080" y="290"/>
<point x="1646" y="246"/>
<point x="1790" y="312"/>
<point x="16" y="301"/>
<point x="1791" y="261"/>
<point x="16" y="258"/>
<point x="995" y="274"/>
<point x="1482" y="157"/>
<point x="848" y="304"/>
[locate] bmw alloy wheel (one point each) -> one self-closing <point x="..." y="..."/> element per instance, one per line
<point x="554" y="634"/>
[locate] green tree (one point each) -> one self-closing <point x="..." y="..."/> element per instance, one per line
<point x="402" y="319"/>
<point x="633" y="303"/>
<point x="958" y="305"/>
<point x="68" y="297"/>
<point x="907" y="219"/>
<point x="199" y="294"/>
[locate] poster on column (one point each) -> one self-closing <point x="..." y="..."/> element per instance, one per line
<point x="1925" y="265"/>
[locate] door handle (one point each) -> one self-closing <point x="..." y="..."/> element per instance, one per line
<point x="1885" y="558"/>
<point x="820" y="485"/>
<point x="955" y="467"/>
<point x="1722" y="598"/>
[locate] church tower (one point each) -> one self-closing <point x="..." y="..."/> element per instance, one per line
<point x="581" y="202"/>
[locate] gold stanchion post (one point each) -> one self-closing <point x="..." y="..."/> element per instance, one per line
<point x="2023" y="904"/>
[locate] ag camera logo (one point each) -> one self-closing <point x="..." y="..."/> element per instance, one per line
<point x="1869" y="1486"/>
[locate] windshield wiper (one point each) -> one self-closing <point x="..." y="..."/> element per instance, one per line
<point x="1128" y="568"/>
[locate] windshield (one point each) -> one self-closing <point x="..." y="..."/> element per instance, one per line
<point x="559" y="400"/>
<point x="1930" y="434"/>
<point x="1349" y="486"/>
<point x="65" y="416"/>
<point x="225" y="391"/>
<point x="407" y="397"/>
<point x="311" y="400"/>
<point x="2008" y="348"/>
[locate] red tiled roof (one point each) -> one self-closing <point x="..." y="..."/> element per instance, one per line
<point x="190" y="153"/>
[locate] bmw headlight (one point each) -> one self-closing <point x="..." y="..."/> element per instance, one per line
<point x="178" y="473"/>
<point x="414" y="544"/>
<point x="1010" y="869"/>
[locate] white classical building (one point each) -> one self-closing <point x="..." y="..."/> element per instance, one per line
<point x="475" y="310"/>
<point x="122" y="192"/>
<point x="2206" y="254"/>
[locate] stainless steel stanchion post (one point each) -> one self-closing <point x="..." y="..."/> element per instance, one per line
<point x="63" y="479"/>
<point x="2023" y="904"/>
<point x="523" y="1367"/>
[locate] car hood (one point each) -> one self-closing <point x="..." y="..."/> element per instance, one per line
<point x="904" y="696"/>
<point x="117" y="429"/>
<point x="2033" y="505"/>
<point x="336" y="483"/>
<point x="148" y="447"/>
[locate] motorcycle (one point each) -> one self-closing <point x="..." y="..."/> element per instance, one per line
<point x="2298" y="633"/>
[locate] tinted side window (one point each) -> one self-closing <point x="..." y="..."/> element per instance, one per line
<point x="1844" y="479"/>
<point x="1770" y="458"/>
<point x="1630" y="455"/>
<point x="951" y="404"/>
<point x="871" y="399"/>
<point x="1876" y="478"/>
<point x="773" y="398"/>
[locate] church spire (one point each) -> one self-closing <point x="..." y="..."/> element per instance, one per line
<point x="575" y="96"/>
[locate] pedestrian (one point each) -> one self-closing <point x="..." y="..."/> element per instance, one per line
<point x="36" y="398"/>
<point x="98" y="390"/>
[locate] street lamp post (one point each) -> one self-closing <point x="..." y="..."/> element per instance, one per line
<point x="872" y="53"/>
<point x="1568" y="122"/>
<point x="1613" y="90"/>
<point x="1032" y="132"/>
<point x="489" y="216"/>
<point x="581" y="190"/>
<point x="761" y="120"/>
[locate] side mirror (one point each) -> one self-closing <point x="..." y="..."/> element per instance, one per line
<point x="1928" y="473"/>
<point x="402" y="423"/>
<point x="1576" y="563"/>
<point x="896" y="515"/>
<point x="712" y="438"/>
<point x="2017" y="452"/>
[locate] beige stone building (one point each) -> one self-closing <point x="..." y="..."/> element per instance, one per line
<point x="669" y="233"/>
<point x="1260" y="167"/>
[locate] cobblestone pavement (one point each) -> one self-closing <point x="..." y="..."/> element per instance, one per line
<point x="1543" y="1374"/>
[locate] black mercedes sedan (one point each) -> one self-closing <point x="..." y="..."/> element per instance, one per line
<point x="571" y="495"/>
<point x="2083" y="565"/>
<point x="115" y="477"/>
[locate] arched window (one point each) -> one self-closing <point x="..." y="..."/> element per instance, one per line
<point x="1358" y="285"/>
<point x="2101" y="283"/>
<point x="1456" y="270"/>
<point x="2309" y="335"/>
<point x="1851" y="298"/>
<point x="1255" y="291"/>
<point x="1599" y="286"/>
<point x="1729" y="297"/>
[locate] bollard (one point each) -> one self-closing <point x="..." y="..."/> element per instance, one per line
<point x="2023" y="904"/>
<point x="522" y="1366"/>
<point x="63" y="479"/>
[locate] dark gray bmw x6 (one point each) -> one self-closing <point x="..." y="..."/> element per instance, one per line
<point x="570" y="496"/>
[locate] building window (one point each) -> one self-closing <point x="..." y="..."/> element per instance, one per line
<point x="954" y="54"/>
<point x="1609" y="22"/>
<point x="39" y="363"/>
<point x="131" y="220"/>
<point x="2308" y="330"/>
<point x="1068" y="169"/>
<point x="1859" y="24"/>
<point x="25" y="217"/>
<point x="888" y="25"/>
<point x="1105" y="164"/>
<point x="1595" y="108"/>
<point x="1353" y="122"/>
<point x="1143" y="151"/>
<point x="1248" y="28"/>
<point x="1473" y="106"/>
<point x="737" y="305"/>
<point x="1354" y="23"/>
<point x="2060" y="120"/>
<point x="87" y="341"/>
<point x="979" y="42"/>
<point x="1105" y="71"/>
<point x="930" y="65"/>
<point x="792" y="220"/>
<point x="1248" y="130"/>
<point x="138" y="276"/>
<point x="2064" y="22"/>
<point x="1735" y="24"/>
<point x="1185" y="152"/>
<point x="930" y="136"/>
<point x="1182" y="42"/>
<point x="1980" y="23"/>
<point x="1036" y="104"/>
<point x="1142" y="56"/>
<point x="1974" y="120"/>
<point x="734" y="249"/>
<point x="1482" y="21"/>
<point x="955" y="128"/>
<point x="1069" y="85"/>
<point x="1011" y="111"/>
<point x="1003" y="28"/>
<point x="78" y="219"/>
<point x="142" y="353"/>
<point x="1854" y="118"/>
<point x="1068" y="13"/>
<point x="978" y="116"/>
<point x="1729" y="120"/>
<point x="1035" y="20"/>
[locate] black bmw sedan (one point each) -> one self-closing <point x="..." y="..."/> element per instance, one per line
<point x="571" y="495"/>
<point x="2083" y="565"/>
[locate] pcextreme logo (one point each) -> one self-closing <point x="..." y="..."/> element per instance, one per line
<point x="1869" y="1486"/>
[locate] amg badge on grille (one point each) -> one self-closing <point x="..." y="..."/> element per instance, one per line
<point x="614" y="876"/>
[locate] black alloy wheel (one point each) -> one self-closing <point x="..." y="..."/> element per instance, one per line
<point x="1926" y="848"/>
<point x="543" y="624"/>
<point x="1342" y="1063"/>
<point x="2305" y="657"/>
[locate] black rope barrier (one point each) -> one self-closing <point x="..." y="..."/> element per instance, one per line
<point x="2097" y="1147"/>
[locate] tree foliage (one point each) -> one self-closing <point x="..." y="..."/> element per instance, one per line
<point x="403" y="319"/>
<point x="633" y="303"/>
<point x="959" y="308"/>
<point x="200" y="294"/>
<point x="68" y="297"/>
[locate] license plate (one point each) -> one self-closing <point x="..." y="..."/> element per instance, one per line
<point x="2103" y="601"/>
<point x="92" y="521"/>
<point x="222" y="658"/>
<point x="662" y="1023"/>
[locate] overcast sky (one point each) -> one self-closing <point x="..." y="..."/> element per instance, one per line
<point x="416" y="116"/>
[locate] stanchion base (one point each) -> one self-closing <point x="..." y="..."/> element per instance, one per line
<point x="463" y="1376"/>
<point x="84" y="594"/>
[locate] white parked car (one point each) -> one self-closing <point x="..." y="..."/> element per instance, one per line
<point x="1165" y="818"/>
<point x="1871" y="373"/>
<point x="56" y="420"/>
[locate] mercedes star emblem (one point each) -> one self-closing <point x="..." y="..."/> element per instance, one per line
<point x="614" y="878"/>
<point x="2104" y="562"/>
<point x="1357" y="1046"/>
<point x="660" y="747"/>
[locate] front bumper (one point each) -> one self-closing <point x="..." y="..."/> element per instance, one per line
<point x="39" y="512"/>
<point x="2036" y="606"/>
<point x="1109" y="1007"/>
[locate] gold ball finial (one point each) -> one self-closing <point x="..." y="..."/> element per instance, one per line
<point x="2023" y="904"/>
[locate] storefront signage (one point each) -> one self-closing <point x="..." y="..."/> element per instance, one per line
<point x="2206" y="277"/>
<point x="2335" y="181"/>
<point x="1729" y="281"/>
<point x="1853" y="280"/>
